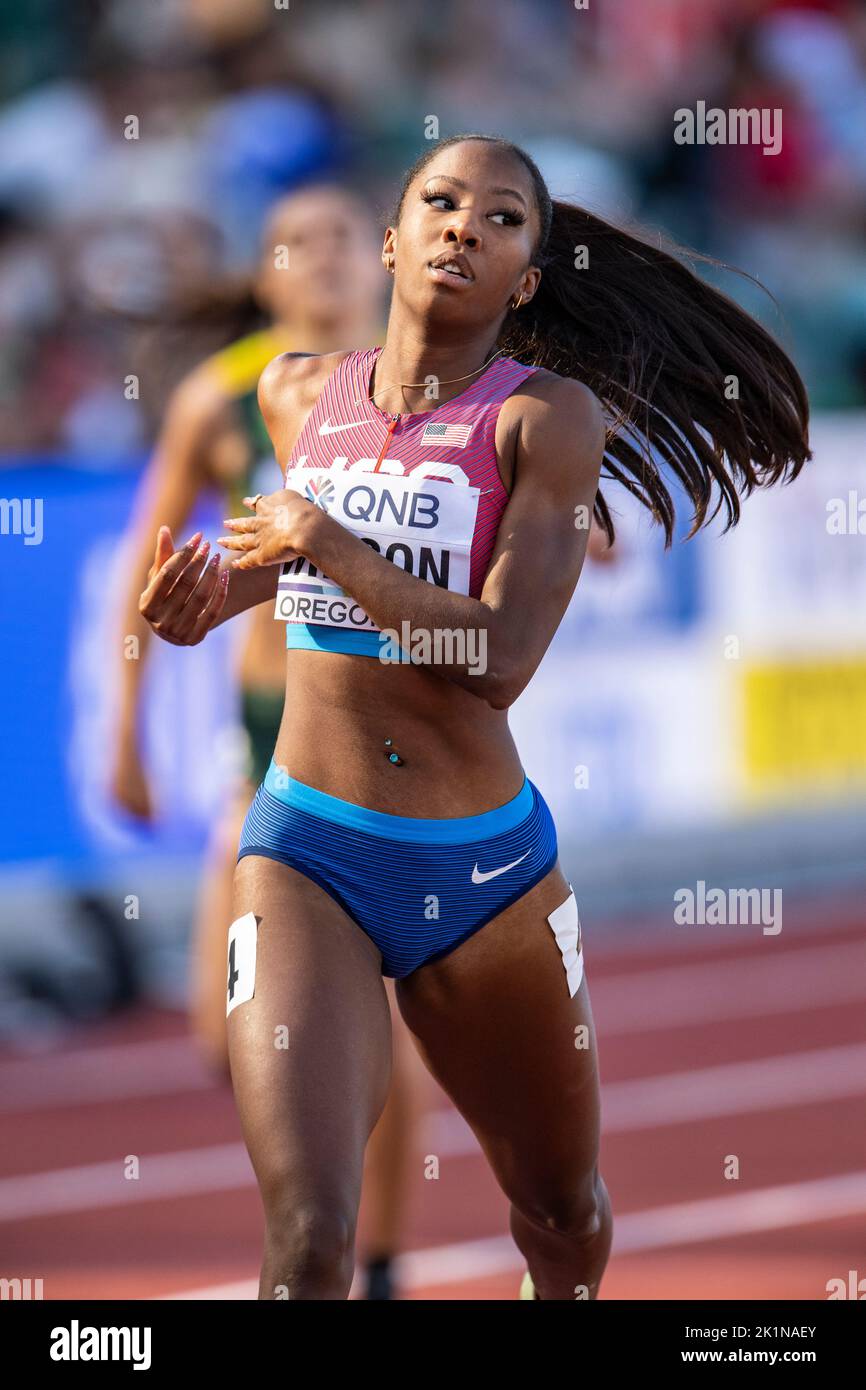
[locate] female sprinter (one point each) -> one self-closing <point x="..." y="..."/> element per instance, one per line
<point x="326" y="293"/>
<point x="395" y="832"/>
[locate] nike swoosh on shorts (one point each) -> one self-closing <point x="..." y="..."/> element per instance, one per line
<point x="478" y="877"/>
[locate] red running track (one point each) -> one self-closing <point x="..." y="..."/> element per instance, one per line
<point x="714" y="1042"/>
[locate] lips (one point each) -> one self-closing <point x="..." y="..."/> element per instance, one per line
<point x="454" y="264"/>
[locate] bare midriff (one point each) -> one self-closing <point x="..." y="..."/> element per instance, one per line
<point x="458" y="756"/>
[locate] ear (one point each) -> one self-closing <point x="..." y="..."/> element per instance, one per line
<point x="389" y="248"/>
<point x="530" y="283"/>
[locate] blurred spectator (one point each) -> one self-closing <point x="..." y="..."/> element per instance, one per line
<point x="139" y="146"/>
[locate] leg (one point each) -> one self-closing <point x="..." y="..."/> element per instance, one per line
<point x="310" y="1061"/>
<point x="517" y="1055"/>
<point x="208" y="955"/>
<point x="390" y="1150"/>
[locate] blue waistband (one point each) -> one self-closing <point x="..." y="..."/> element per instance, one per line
<point x="319" y="637"/>
<point x="451" y="830"/>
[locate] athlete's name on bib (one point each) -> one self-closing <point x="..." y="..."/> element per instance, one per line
<point x="424" y="525"/>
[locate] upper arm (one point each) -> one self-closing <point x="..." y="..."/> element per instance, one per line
<point x="177" y="471"/>
<point x="543" y="532"/>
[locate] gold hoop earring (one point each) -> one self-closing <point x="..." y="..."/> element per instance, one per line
<point x="518" y="304"/>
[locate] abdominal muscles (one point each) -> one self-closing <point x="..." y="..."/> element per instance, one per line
<point x="457" y="754"/>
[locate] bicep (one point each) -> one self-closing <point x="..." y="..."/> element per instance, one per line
<point x="176" y="473"/>
<point x="542" y="538"/>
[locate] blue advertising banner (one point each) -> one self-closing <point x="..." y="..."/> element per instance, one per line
<point x="62" y="578"/>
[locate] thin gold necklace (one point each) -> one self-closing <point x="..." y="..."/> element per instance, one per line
<point x="447" y="382"/>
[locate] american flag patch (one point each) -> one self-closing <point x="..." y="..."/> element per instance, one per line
<point x="451" y="436"/>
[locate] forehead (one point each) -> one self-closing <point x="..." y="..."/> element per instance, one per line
<point x="482" y="165"/>
<point x="304" y="209"/>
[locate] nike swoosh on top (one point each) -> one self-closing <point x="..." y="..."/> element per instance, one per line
<point x="327" y="428"/>
<point x="478" y="877"/>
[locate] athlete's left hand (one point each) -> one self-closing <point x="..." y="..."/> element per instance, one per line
<point x="273" y="534"/>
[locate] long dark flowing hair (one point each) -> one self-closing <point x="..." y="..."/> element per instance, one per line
<point x="660" y="348"/>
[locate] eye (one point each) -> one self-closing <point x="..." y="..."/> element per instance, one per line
<point x="437" y="198"/>
<point x="511" y="217"/>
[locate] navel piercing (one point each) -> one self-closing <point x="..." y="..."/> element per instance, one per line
<point x="392" y="757"/>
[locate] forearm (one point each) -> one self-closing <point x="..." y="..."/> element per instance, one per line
<point x="247" y="589"/>
<point x="458" y="637"/>
<point x="134" y="642"/>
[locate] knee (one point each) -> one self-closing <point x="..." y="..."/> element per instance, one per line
<point x="578" y="1212"/>
<point x="310" y="1250"/>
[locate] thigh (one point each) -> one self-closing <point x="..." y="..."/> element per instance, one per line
<point x="499" y="1030"/>
<point x="310" y="1052"/>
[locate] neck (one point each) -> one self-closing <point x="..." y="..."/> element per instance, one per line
<point x="320" y="336"/>
<point x="412" y="353"/>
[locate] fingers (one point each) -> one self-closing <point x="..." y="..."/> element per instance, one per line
<point x="161" y="578"/>
<point x="163" y="551"/>
<point x="187" y="599"/>
<point x="212" y="609"/>
<point x="242" y="523"/>
<point x="159" y="592"/>
<point x="238" y="542"/>
<point x="165" y="546"/>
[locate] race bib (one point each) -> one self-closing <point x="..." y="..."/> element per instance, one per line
<point x="423" y="525"/>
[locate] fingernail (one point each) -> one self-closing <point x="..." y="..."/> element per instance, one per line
<point x="224" y="578"/>
<point x="193" y="540"/>
<point x="202" y="550"/>
<point x="215" y="559"/>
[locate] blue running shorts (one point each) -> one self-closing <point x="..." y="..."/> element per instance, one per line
<point x="418" y="888"/>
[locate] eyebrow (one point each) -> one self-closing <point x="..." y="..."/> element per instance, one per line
<point x="458" y="183"/>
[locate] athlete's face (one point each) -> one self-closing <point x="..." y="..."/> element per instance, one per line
<point x="330" y="265"/>
<point x="474" y="202"/>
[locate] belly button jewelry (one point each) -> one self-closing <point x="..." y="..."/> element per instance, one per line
<point x="392" y="757"/>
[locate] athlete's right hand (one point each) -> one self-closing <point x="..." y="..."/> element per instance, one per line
<point x="185" y="594"/>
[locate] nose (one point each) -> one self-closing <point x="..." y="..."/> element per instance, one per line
<point x="463" y="229"/>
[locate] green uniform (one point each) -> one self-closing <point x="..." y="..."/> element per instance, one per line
<point x="239" y="367"/>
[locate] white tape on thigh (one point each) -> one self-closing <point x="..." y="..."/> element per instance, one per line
<point x="566" y="928"/>
<point x="241" y="961"/>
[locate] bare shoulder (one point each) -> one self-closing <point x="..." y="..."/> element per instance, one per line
<point x="197" y="401"/>
<point x="553" y="402"/>
<point x="294" y="379"/>
<point x="555" y="422"/>
<point x="288" y="389"/>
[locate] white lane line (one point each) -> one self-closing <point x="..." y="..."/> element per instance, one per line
<point x="737" y="1088"/>
<point x="94" y="1185"/>
<point x="648" y="1103"/>
<point x="677" y="995"/>
<point x="657" y="1228"/>
<point x="100" y="1074"/>
<point x="638" y="1001"/>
